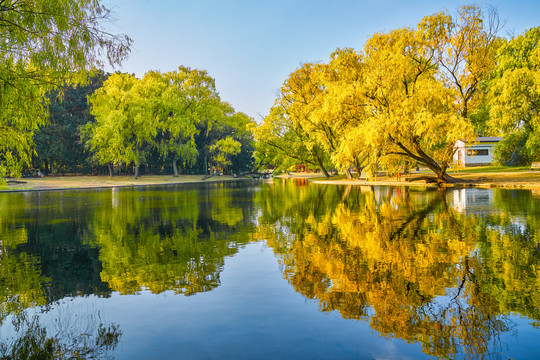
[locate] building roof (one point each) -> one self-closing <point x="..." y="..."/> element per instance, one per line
<point x="488" y="139"/>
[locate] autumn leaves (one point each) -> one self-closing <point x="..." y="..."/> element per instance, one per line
<point x="402" y="101"/>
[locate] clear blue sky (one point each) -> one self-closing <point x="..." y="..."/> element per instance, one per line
<point x="250" y="46"/>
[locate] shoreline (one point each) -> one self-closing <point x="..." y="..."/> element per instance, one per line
<point x="59" y="183"/>
<point x="483" y="185"/>
<point x="529" y="180"/>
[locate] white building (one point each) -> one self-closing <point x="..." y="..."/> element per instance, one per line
<point x="473" y="200"/>
<point x="478" y="153"/>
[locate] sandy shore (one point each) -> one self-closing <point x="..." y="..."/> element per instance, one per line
<point x="512" y="180"/>
<point x="90" y="182"/>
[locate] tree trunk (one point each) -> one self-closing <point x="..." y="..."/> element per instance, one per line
<point x="315" y="153"/>
<point x="348" y="173"/>
<point x="443" y="177"/>
<point x="323" y="169"/>
<point x="465" y="109"/>
<point x="136" y="171"/>
<point x="358" y="168"/>
<point x="110" y="167"/>
<point x="175" y="166"/>
<point x="52" y="168"/>
<point x="440" y="171"/>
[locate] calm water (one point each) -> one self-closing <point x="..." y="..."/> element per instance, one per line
<point x="265" y="270"/>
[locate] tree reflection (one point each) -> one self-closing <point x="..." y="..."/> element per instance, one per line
<point x="21" y="279"/>
<point x="59" y="244"/>
<point x="176" y="243"/>
<point x="30" y="339"/>
<point x="415" y="264"/>
<point x="20" y="283"/>
<point x="412" y="265"/>
<point x="42" y="254"/>
<point x="510" y="253"/>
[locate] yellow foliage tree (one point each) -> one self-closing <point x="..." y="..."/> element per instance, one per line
<point x="405" y="100"/>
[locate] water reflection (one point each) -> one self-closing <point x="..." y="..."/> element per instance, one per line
<point x="167" y="241"/>
<point x="446" y="269"/>
<point x="60" y="244"/>
<point x="416" y="265"/>
<point x="81" y="336"/>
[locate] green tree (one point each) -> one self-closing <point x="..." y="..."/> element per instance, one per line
<point x="512" y="149"/>
<point x="243" y="161"/>
<point x="58" y="143"/>
<point x="127" y="120"/>
<point x="223" y="150"/>
<point x="515" y="93"/>
<point x="43" y="44"/>
<point x="188" y="95"/>
<point x="220" y="121"/>
<point x="177" y="116"/>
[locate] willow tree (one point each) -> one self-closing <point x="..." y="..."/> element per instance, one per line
<point x="223" y="150"/>
<point x="218" y="121"/>
<point x="463" y="48"/>
<point x="318" y="106"/>
<point x="413" y="116"/>
<point x="126" y="121"/>
<point x="189" y="95"/>
<point x="301" y="94"/>
<point x="282" y="143"/>
<point x="342" y="109"/>
<point x="312" y="97"/>
<point x="421" y="85"/>
<point x="44" y="43"/>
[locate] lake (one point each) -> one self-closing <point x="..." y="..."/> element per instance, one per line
<point x="263" y="270"/>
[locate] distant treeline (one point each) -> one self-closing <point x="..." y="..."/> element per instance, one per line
<point x="162" y="124"/>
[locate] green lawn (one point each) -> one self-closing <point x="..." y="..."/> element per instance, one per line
<point x="491" y="168"/>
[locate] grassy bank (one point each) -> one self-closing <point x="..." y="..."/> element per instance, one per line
<point x="88" y="182"/>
